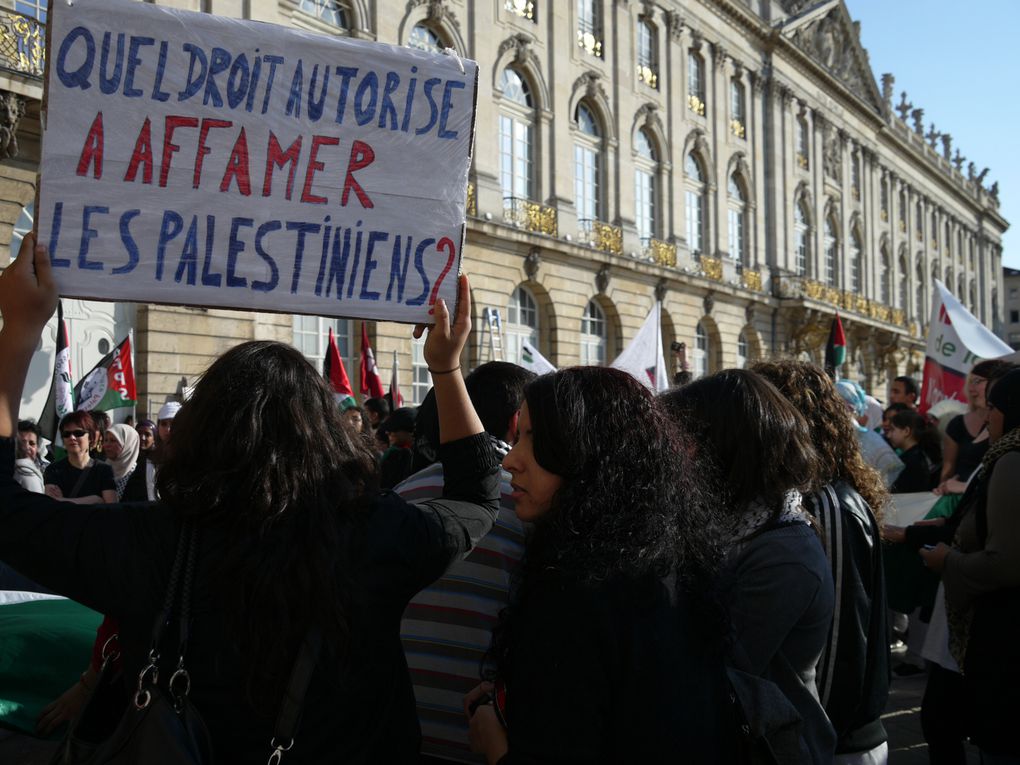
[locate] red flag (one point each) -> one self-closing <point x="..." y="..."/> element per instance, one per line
<point x="395" y="398"/>
<point x="334" y="372"/>
<point x="370" y="382"/>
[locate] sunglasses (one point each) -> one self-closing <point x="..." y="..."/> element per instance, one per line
<point x="73" y="433"/>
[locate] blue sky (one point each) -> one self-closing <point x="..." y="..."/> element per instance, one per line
<point x="959" y="62"/>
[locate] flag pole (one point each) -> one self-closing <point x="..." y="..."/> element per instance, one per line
<point x="134" y="407"/>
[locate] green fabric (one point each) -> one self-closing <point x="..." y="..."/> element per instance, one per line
<point x="45" y="645"/>
<point x="944" y="507"/>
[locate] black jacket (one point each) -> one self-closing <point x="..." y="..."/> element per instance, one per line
<point x="853" y="673"/>
<point x="615" y="672"/>
<point x="116" y="559"/>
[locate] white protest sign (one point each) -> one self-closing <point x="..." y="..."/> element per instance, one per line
<point x="191" y="159"/>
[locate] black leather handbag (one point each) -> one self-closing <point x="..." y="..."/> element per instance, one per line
<point x="157" y="724"/>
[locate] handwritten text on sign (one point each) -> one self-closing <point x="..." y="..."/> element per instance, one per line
<point x="199" y="160"/>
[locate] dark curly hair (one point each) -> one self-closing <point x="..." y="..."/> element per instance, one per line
<point x="260" y="448"/>
<point x="813" y="394"/>
<point x="630" y="504"/>
<point x="758" y="443"/>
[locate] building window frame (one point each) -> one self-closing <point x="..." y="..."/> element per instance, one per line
<point x="695" y="193"/>
<point x="516" y="138"/>
<point x="594" y="337"/>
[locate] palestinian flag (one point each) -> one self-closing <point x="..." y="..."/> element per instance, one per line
<point x="59" y="401"/>
<point x="370" y="380"/>
<point x="335" y="374"/>
<point x="45" y="643"/>
<point x="835" y="348"/>
<point x="110" y="383"/>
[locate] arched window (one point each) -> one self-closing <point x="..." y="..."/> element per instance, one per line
<point x="934" y="230"/>
<point x="919" y="220"/>
<point x="948" y="239"/>
<point x="699" y="359"/>
<point x="831" y="248"/>
<point x="919" y="289"/>
<point x="855" y="175"/>
<point x="424" y="38"/>
<point x="694" y="195"/>
<point x="904" y="282"/>
<point x="521" y="323"/>
<point x="961" y="293"/>
<point x="741" y="351"/>
<point x="645" y="187"/>
<point x="973" y="297"/>
<point x="587" y="167"/>
<point x="948" y="281"/>
<point x="330" y="11"/>
<point x="738" y="108"/>
<point x="856" y="262"/>
<point x="594" y="335"/>
<point x="647" y="59"/>
<point x="801" y="238"/>
<point x="903" y="211"/>
<point x="516" y="127"/>
<point x="736" y="219"/>
<point x="589" y="27"/>
<point x="696" y="83"/>
<point x="884" y="186"/>
<point x="884" y="277"/>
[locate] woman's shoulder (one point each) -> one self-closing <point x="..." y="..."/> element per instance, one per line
<point x="957" y="430"/>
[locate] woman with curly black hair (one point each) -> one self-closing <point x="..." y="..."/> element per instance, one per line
<point x="853" y="674"/>
<point x="290" y="544"/>
<point x="776" y="582"/>
<point x="606" y="653"/>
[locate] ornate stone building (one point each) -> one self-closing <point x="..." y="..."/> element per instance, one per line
<point x="734" y="158"/>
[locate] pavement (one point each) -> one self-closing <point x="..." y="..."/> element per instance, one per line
<point x="902" y="722"/>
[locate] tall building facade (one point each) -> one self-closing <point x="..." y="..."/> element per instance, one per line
<point x="733" y="160"/>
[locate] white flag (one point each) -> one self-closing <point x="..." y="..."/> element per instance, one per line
<point x="534" y="361"/>
<point x="643" y="357"/>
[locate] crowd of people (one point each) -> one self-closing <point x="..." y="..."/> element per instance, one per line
<point x="699" y="576"/>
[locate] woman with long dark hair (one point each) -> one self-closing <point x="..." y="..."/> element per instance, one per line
<point x="853" y="674"/>
<point x="776" y="583"/>
<point x="607" y="653"/>
<point x="291" y="539"/>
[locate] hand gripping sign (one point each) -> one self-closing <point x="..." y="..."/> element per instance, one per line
<point x="198" y="160"/>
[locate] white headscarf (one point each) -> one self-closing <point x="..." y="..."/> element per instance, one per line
<point x="124" y="463"/>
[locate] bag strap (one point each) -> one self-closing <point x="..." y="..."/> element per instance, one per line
<point x="182" y="558"/>
<point x="81" y="479"/>
<point x="294" y="697"/>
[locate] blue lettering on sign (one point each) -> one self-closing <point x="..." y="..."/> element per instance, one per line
<point x="128" y="242"/>
<point x="87" y="235"/>
<point x="79" y="78"/>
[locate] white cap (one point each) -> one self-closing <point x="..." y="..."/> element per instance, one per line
<point x="168" y="411"/>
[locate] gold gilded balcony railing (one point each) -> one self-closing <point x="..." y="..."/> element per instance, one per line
<point x="791" y="287"/>
<point x="802" y="161"/>
<point x="737" y="128"/>
<point x="711" y="267"/>
<point x="751" y="280"/>
<point x="530" y="216"/>
<point x="648" y="75"/>
<point x="523" y="8"/>
<point x="660" y="252"/>
<point x="22" y="43"/>
<point x="601" y="236"/>
<point x="471" y="208"/>
<point x="696" y="105"/>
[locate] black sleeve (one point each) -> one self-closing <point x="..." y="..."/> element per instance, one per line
<point x="418" y="542"/>
<point x="104" y="477"/>
<point x="53" y="474"/>
<point x="957" y="430"/>
<point x="916" y="537"/>
<point x="94" y="554"/>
